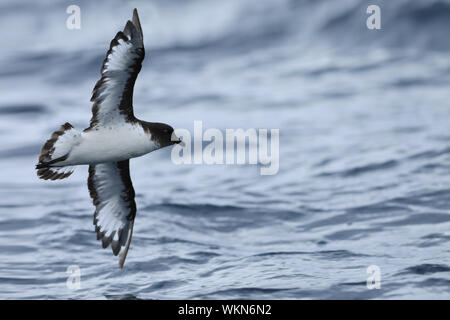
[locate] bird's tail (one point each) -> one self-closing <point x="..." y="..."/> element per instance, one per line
<point x="55" y="151"/>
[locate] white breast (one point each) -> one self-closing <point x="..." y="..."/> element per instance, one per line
<point x="110" y="144"/>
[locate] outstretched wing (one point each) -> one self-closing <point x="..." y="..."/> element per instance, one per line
<point x="113" y="93"/>
<point x="112" y="193"/>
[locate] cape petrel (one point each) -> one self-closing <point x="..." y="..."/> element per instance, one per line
<point x="114" y="136"/>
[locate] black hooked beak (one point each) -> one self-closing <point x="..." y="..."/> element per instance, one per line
<point x="177" y="140"/>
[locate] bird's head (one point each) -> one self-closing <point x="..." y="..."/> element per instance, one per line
<point x="164" y="135"/>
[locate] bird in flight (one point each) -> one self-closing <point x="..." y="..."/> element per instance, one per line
<point x="114" y="136"/>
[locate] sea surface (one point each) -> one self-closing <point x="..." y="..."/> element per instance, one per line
<point x="364" y="120"/>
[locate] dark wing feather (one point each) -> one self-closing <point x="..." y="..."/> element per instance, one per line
<point x="113" y="94"/>
<point x="113" y="194"/>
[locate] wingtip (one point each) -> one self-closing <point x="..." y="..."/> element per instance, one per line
<point x="136" y="21"/>
<point x="122" y="258"/>
<point x="123" y="254"/>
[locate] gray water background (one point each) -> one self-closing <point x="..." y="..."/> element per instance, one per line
<point x="364" y="119"/>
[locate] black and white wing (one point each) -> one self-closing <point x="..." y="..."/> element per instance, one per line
<point x="113" y="93"/>
<point x="112" y="193"/>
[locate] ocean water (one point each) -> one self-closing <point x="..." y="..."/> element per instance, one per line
<point x="364" y="119"/>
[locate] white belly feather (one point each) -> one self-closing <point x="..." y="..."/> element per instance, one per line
<point x="110" y="144"/>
